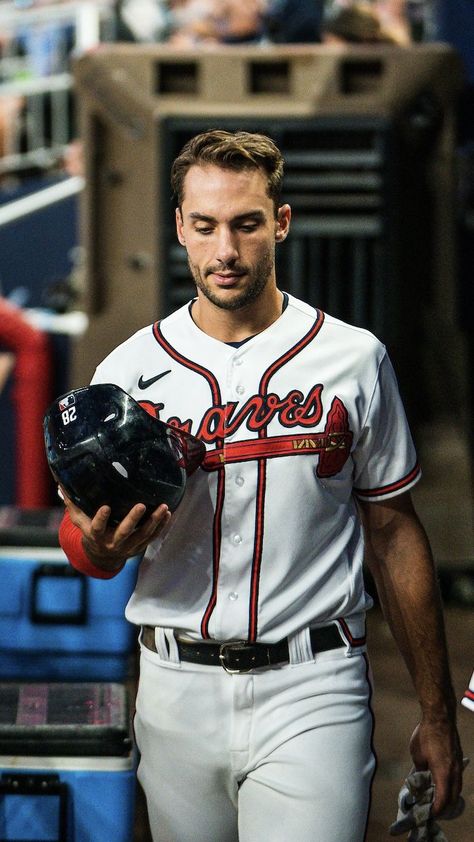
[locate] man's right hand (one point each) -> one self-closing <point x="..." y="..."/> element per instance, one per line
<point x="108" y="547"/>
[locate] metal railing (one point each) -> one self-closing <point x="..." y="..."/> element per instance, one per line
<point x="37" y="44"/>
<point x="20" y="208"/>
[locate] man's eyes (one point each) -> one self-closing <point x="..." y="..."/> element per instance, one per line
<point x="246" y="227"/>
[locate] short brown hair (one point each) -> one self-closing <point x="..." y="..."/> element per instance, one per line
<point x="230" y="150"/>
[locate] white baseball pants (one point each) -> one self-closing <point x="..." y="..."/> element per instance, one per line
<point x="281" y="754"/>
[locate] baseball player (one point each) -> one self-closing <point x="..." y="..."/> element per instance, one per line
<point x="253" y="714"/>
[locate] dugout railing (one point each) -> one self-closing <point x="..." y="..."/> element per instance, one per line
<point x="37" y="46"/>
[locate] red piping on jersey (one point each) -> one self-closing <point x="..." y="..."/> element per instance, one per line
<point x="308" y="337"/>
<point x="258" y="549"/>
<point x="217" y="522"/>
<point x="261" y="479"/>
<point x="290" y="445"/>
<point x="387" y="489"/>
<point x="354" y="641"/>
<point x="216" y="548"/>
<point x="187" y="363"/>
<point x="469" y="694"/>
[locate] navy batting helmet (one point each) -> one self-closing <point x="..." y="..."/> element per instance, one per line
<point x="103" y="448"/>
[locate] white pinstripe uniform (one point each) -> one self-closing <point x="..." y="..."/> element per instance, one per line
<point x="266" y="544"/>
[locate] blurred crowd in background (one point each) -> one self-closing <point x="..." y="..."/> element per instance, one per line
<point x="41" y="51"/>
<point x="281" y="21"/>
<point x="187" y="23"/>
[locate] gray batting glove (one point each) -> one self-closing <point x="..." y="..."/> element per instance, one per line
<point x="415" y="800"/>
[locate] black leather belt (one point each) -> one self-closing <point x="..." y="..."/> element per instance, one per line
<point x="240" y="656"/>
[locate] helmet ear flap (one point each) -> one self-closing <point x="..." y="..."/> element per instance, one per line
<point x="190" y="449"/>
<point x="104" y="448"/>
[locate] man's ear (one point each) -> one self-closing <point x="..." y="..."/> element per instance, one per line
<point x="179" y="227"/>
<point x="282" y="223"/>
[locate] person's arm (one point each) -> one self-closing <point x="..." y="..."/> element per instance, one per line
<point x="399" y="558"/>
<point x="97" y="549"/>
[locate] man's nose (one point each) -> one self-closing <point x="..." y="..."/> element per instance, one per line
<point x="227" y="251"/>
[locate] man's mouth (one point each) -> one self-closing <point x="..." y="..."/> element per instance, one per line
<point x="227" y="278"/>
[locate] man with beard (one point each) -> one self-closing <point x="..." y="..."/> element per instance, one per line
<point x="253" y="715"/>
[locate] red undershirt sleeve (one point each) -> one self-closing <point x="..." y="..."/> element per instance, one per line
<point x="70" y="539"/>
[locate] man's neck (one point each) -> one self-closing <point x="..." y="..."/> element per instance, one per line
<point x="236" y="325"/>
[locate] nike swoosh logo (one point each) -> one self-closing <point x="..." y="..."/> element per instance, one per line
<point x="145" y="384"/>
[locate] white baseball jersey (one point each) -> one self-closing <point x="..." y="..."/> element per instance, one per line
<point x="296" y="420"/>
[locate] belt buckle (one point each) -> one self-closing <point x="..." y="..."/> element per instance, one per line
<point x="233" y="645"/>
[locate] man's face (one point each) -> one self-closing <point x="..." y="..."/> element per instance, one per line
<point x="227" y="224"/>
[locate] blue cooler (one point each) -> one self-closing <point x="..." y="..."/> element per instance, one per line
<point x="67" y="770"/>
<point x="55" y="623"/>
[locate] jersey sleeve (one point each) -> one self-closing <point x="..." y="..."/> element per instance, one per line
<point x="70" y="539"/>
<point x="468" y="698"/>
<point x="385" y="459"/>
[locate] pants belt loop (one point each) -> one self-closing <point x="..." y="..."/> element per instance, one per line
<point x="166" y="645"/>
<point x="299" y="647"/>
<point x="353" y="631"/>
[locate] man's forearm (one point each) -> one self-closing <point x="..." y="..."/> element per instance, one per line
<point x="400" y="560"/>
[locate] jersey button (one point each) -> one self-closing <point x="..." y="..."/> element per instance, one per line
<point x="239" y="480"/>
<point x="238" y="361"/>
<point x="240" y="389"/>
<point x="236" y="539"/>
<point x="233" y="596"/>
